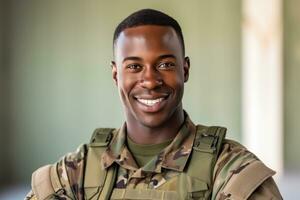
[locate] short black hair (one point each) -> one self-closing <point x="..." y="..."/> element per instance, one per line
<point x="149" y="17"/>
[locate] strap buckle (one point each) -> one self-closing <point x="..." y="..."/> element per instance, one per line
<point x="101" y="137"/>
<point x="207" y="141"/>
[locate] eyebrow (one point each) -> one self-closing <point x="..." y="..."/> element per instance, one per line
<point x="132" y="58"/>
<point x="166" y="56"/>
<point x="140" y="59"/>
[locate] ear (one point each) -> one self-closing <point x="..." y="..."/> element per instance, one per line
<point x="186" y="68"/>
<point x="114" y="72"/>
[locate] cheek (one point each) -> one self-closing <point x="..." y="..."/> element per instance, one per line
<point x="175" y="80"/>
<point x="121" y="85"/>
<point x="126" y="83"/>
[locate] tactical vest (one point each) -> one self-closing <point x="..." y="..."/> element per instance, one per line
<point x="195" y="182"/>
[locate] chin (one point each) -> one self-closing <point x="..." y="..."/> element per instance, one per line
<point x="153" y="121"/>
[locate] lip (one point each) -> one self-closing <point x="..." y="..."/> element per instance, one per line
<point x="151" y="104"/>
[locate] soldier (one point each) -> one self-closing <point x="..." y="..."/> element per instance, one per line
<point x="158" y="153"/>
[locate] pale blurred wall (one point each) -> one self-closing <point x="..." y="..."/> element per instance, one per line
<point x="61" y="87"/>
<point x="292" y="84"/>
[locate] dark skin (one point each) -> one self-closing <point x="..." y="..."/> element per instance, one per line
<point x="150" y="71"/>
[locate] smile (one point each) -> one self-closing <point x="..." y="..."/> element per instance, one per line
<point x="150" y="102"/>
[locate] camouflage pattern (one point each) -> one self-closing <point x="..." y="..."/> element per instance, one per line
<point x="161" y="173"/>
<point x="70" y="169"/>
<point x="167" y="164"/>
<point x="234" y="159"/>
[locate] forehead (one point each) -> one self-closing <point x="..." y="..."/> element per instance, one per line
<point x="147" y="38"/>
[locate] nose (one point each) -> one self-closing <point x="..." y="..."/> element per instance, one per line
<point x="151" y="78"/>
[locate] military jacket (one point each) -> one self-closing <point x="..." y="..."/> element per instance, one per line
<point x="237" y="173"/>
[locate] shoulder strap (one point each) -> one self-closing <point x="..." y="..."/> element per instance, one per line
<point x="207" y="145"/>
<point x="209" y="139"/>
<point x="97" y="179"/>
<point x="102" y="137"/>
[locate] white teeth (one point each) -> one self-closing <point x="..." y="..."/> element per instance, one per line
<point x="150" y="102"/>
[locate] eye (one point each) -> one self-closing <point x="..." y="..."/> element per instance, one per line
<point x="166" y="65"/>
<point x="134" y="67"/>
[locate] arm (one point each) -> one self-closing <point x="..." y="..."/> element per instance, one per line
<point x="239" y="174"/>
<point x="62" y="179"/>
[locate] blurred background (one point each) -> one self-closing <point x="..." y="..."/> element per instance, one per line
<point x="56" y="85"/>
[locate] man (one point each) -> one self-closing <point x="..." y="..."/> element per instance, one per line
<point x="158" y="153"/>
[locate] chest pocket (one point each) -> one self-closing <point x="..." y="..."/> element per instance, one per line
<point x="191" y="188"/>
<point x="197" y="191"/>
<point x="194" y="190"/>
<point x="143" y="194"/>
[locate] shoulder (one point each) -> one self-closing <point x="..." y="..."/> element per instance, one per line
<point x="63" y="178"/>
<point x="239" y="173"/>
<point x="232" y="155"/>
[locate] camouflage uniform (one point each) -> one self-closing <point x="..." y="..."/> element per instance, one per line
<point x="238" y="174"/>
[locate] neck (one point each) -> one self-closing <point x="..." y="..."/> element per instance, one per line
<point x="142" y="134"/>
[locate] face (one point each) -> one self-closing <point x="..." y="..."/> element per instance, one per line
<point x="150" y="71"/>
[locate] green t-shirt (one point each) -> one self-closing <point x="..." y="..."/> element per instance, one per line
<point x="144" y="153"/>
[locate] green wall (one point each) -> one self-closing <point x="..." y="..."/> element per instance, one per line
<point x="292" y="83"/>
<point x="55" y="79"/>
<point x="4" y="93"/>
<point x="1" y="88"/>
<point x="61" y="79"/>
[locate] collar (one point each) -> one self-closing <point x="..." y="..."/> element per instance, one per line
<point x="173" y="157"/>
